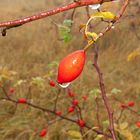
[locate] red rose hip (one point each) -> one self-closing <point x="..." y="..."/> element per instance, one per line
<point x="22" y="100"/>
<point x="43" y="132"/>
<point x="131" y="103"/>
<point x="138" y="124"/>
<point x="52" y="83"/>
<point x="81" y="123"/>
<point x="71" y="66"/>
<point x="71" y="109"/>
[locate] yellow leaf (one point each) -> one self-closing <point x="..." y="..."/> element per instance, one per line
<point x="91" y="34"/>
<point x="127" y="134"/>
<point x="108" y="15"/>
<point x="99" y="137"/>
<point x="81" y="26"/>
<point x="5" y="73"/>
<point x="19" y="82"/>
<point x="74" y="134"/>
<point x="133" y="55"/>
<point x="123" y="126"/>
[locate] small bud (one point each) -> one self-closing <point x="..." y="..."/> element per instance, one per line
<point x="22" y="100"/>
<point x="12" y="90"/>
<point x="43" y="132"/>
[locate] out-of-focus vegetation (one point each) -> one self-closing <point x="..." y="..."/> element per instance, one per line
<point x="34" y="50"/>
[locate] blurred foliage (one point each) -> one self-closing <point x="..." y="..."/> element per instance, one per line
<point x="30" y="54"/>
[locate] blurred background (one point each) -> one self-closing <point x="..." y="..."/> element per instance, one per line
<point x="35" y="49"/>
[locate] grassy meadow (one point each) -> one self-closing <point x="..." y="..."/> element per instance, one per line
<point x="35" y="49"/>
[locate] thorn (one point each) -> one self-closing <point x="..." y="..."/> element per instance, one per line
<point x="3" y="32"/>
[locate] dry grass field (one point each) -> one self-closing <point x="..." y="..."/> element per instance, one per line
<point x="35" y="49"/>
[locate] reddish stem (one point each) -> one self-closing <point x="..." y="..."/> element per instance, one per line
<point x="103" y="93"/>
<point x="72" y="5"/>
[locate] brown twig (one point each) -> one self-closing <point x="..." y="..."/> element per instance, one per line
<point x="103" y="93"/>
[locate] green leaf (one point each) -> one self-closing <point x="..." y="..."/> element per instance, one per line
<point x="115" y="91"/>
<point x="19" y="82"/>
<point x="94" y="92"/>
<point x="67" y="22"/>
<point x="123" y="125"/>
<point x="38" y="81"/>
<point x="53" y="64"/>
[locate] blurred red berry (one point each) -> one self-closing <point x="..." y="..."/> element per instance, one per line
<point x="71" y="66"/>
<point x="81" y="123"/>
<point x="75" y="102"/>
<point x="52" y="83"/>
<point x="71" y="109"/>
<point x="138" y="124"/>
<point x="71" y="94"/>
<point x="85" y="97"/>
<point x="11" y="89"/>
<point x="43" y="132"/>
<point x="131" y="103"/>
<point x="59" y="113"/>
<point x="22" y="100"/>
<point x="123" y="106"/>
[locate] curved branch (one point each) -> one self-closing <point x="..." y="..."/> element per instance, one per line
<point x="72" y="5"/>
